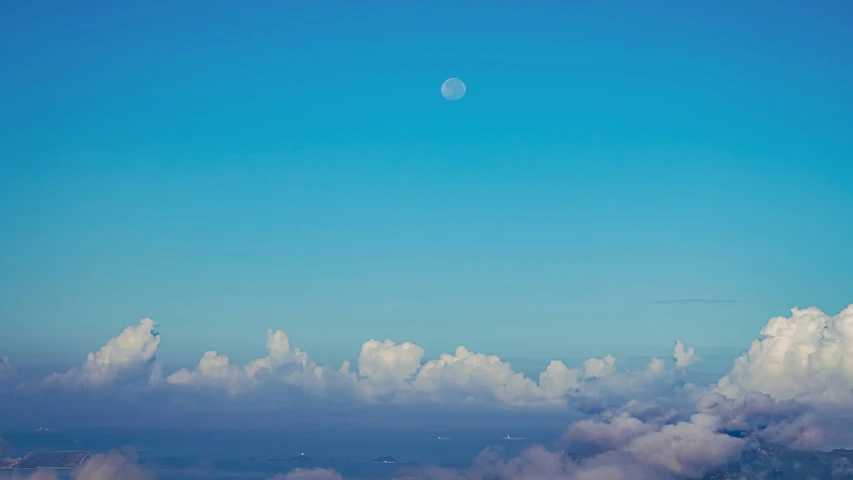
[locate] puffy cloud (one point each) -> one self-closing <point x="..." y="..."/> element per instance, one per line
<point x="787" y="422"/>
<point x="386" y="372"/>
<point x="558" y="380"/>
<point x="385" y="368"/>
<point x="289" y="366"/>
<point x="687" y="448"/>
<point x="651" y="436"/>
<point x="475" y="376"/>
<point x="684" y="358"/>
<point x="614" y="432"/>
<point x="807" y="356"/>
<point x="598" y="367"/>
<point x="133" y="348"/>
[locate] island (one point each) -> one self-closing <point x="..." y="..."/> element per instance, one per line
<point x="385" y="459"/>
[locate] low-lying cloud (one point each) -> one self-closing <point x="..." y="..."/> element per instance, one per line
<point x="791" y="388"/>
<point x="135" y="347"/>
<point x="386" y="372"/>
<point x="807" y="356"/>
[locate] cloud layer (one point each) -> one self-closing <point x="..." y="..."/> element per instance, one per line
<point x="386" y="372"/>
<point x="791" y="388"/>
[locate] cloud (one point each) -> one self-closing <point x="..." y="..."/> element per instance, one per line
<point x="687" y="448"/>
<point x="807" y="356"/>
<point x="289" y="366"/>
<point x="397" y="373"/>
<point x="385" y="372"/>
<point x="684" y="358"/>
<point x="630" y="449"/>
<point x="470" y="376"/>
<point x="614" y="432"/>
<point x="791" y="388"/>
<point x="133" y="348"/>
<point x="789" y="423"/>
<point x="385" y="368"/>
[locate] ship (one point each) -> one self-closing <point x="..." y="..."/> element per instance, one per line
<point x="509" y="437"/>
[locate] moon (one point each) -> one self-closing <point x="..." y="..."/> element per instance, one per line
<point x="453" y="89"/>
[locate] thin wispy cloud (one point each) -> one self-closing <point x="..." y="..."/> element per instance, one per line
<point x="694" y="301"/>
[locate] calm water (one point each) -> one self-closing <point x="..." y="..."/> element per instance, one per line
<point x="261" y="454"/>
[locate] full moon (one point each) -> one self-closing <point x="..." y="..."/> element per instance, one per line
<point x="453" y="89"/>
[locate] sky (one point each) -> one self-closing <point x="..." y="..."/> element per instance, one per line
<point x="618" y="175"/>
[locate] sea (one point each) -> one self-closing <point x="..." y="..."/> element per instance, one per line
<point x="261" y="454"/>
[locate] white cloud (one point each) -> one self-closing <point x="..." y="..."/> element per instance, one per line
<point x="598" y="367"/>
<point x="558" y="380"/>
<point x="614" y="432"/>
<point x="289" y="366"/>
<point x="385" y="368"/>
<point x="386" y="372"/>
<point x="807" y="356"/>
<point x="687" y="448"/>
<point x="133" y="348"/>
<point x="684" y="358"/>
<point x="475" y="377"/>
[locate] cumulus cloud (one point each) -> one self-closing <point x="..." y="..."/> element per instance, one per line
<point x="386" y="371"/>
<point x="807" y="356"/>
<point x="385" y="368"/>
<point x="654" y="437"/>
<point x="474" y="376"/>
<point x="287" y="365"/>
<point x="688" y="448"/>
<point x="634" y="451"/>
<point x="133" y="348"/>
<point x="776" y="393"/>
<point x="684" y="357"/>
<point x="613" y="432"/>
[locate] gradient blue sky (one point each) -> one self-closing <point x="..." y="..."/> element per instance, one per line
<point x="228" y="167"/>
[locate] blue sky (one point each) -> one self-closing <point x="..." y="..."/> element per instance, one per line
<point x="228" y="168"/>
